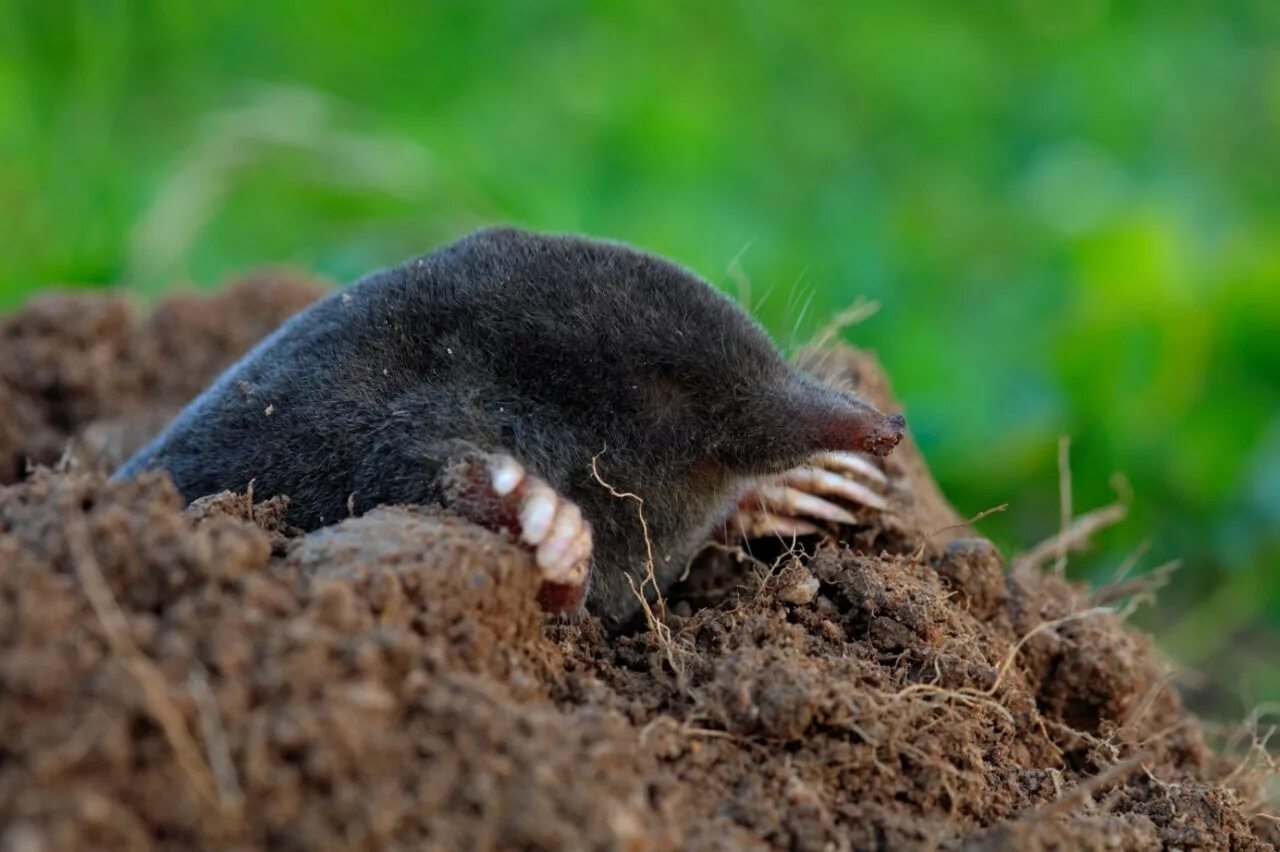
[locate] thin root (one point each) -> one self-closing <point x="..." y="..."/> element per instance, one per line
<point x="1075" y="536"/>
<point x="656" y="625"/>
<point x="970" y="696"/>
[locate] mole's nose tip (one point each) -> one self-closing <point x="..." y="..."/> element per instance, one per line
<point x="881" y="441"/>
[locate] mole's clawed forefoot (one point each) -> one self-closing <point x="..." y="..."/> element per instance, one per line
<point x="806" y="500"/>
<point x="496" y="491"/>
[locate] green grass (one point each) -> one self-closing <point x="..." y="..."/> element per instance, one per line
<point x="1069" y="212"/>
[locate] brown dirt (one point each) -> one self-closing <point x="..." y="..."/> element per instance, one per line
<point x="206" y="678"/>
<point x="95" y="376"/>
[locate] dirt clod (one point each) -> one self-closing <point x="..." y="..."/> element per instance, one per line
<point x="389" y="682"/>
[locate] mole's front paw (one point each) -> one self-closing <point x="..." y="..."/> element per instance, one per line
<point x="496" y="491"/>
<point x="799" y="501"/>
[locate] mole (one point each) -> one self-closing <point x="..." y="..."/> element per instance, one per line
<point x="525" y="381"/>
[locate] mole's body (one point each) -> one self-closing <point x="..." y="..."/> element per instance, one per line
<point x="488" y="375"/>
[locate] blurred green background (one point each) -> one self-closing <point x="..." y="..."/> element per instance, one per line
<point x="1069" y="212"/>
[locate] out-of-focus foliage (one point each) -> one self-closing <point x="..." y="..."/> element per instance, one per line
<point x="1069" y="212"/>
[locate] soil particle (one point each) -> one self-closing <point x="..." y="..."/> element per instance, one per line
<point x="389" y="682"/>
<point x="974" y="570"/>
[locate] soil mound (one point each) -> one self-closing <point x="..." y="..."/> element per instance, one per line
<point x="95" y="376"/>
<point x="205" y="677"/>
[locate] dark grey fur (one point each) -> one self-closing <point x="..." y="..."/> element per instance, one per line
<point x="552" y="349"/>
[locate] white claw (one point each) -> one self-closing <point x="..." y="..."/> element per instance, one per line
<point x="555" y="552"/>
<point x="579" y="557"/>
<point x="791" y="504"/>
<point x="537" y="513"/>
<point x="758" y="523"/>
<point x="852" y="463"/>
<point x="794" y="502"/>
<point x="819" y="481"/>
<point x="505" y="474"/>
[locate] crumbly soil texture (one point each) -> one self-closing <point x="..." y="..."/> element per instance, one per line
<point x="203" y="677"/>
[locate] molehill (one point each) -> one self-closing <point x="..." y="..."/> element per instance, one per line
<point x="205" y="677"/>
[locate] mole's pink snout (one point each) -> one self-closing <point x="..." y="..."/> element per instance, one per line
<point x="882" y="441"/>
<point x="858" y="427"/>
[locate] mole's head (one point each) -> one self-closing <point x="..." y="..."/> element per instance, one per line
<point x="646" y="359"/>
